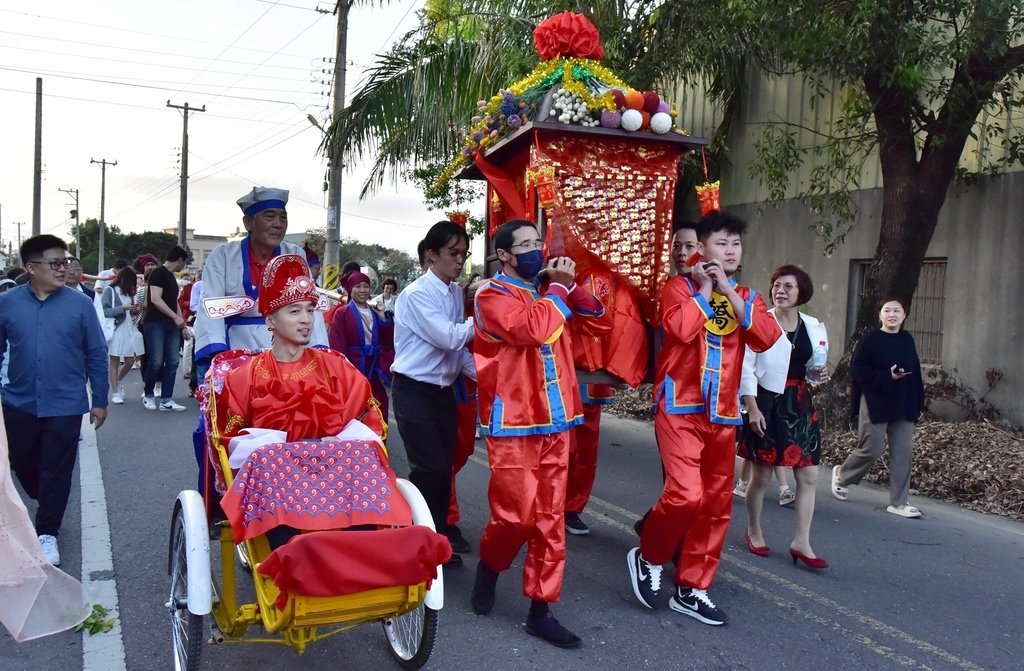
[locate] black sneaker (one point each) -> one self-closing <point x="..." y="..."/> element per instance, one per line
<point x="697" y="604"/>
<point x="576" y="526"/>
<point x="484" y="583"/>
<point x="646" y="578"/>
<point x="549" y="629"/>
<point x="459" y="543"/>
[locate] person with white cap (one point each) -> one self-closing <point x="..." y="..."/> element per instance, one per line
<point x="236" y="268"/>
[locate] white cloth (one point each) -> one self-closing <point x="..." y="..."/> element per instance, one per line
<point x="195" y="297"/>
<point x="386" y="304"/>
<point x="251" y="439"/>
<point x="770" y="368"/>
<point x="36" y="599"/>
<point x="127" y="339"/>
<point x="108" y="276"/>
<point x="222" y="276"/>
<point x="431" y="332"/>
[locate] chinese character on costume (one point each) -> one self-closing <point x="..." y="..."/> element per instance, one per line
<point x="707" y="319"/>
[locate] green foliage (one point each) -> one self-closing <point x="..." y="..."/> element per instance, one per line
<point x="451" y="195"/>
<point x="97" y="622"/>
<point x="386" y="261"/>
<point x="118" y="245"/>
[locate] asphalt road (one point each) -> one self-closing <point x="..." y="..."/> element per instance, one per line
<point x="942" y="592"/>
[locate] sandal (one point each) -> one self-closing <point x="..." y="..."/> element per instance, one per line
<point x="786" y="497"/>
<point x="838" y="490"/>
<point x="905" y="510"/>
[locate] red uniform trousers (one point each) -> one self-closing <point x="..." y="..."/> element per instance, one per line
<point x="692" y="515"/>
<point x="527" y="499"/>
<point x="465" y="443"/>
<point x="583" y="459"/>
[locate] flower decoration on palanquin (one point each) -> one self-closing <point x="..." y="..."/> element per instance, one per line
<point x="567" y="35"/>
<point x="460" y="217"/>
<point x="583" y="91"/>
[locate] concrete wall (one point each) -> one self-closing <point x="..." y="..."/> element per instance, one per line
<point x="980" y="235"/>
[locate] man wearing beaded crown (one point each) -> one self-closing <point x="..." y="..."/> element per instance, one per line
<point x="235" y="268"/>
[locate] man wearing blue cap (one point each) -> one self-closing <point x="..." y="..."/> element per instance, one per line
<point x="236" y="268"/>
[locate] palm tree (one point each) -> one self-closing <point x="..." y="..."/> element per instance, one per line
<point x="412" y="104"/>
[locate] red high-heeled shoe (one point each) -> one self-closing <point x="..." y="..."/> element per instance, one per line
<point x="760" y="551"/>
<point x="816" y="563"/>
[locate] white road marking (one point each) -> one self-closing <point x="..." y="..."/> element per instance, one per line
<point x="103" y="651"/>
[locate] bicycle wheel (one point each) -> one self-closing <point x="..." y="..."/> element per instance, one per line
<point x="411" y="636"/>
<point x="186" y="628"/>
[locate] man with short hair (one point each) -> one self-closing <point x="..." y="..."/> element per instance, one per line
<point x="431" y="334"/>
<point x="529" y="401"/>
<point x="55" y="344"/>
<point x="73" y="278"/>
<point x="707" y="319"/>
<point x="162" y="329"/>
<point x="236" y="269"/>
<point x="684" y="244"/>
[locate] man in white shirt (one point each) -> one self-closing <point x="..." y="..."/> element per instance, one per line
<point x="431" y="334"/>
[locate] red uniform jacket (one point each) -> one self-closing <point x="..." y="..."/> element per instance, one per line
<point x="702" y="356"/>
<point x="523" y="352"/>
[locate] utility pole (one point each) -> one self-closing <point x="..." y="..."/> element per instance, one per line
<point x="335" y="166"/>
<point x="103" y="163"/>
<point x="183" y="196"/>
<point x="18" y="224"/>
<point x="78" y="232"/>
<point x="37" y="177"/>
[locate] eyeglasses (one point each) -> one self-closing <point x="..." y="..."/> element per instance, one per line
<point x="529" y="245"/>
<point x="458" y="255"/>
<point x="55" y="264"/>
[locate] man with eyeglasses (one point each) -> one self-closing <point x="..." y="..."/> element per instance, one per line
<point x="56" y="344"/>
<point x="431" y="334"/>
<point x="529" y="402"/>
<point x="73" y="278"/>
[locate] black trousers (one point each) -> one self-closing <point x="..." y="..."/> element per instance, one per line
<point x="42" y="455"/>
<point x="427" y="421"/>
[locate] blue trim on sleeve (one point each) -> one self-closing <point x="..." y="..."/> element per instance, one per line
<point x="748" y="318"/>
<point x="560" y="305"/>
<point x="704" y="305"/>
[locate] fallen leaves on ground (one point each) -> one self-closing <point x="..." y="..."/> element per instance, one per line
<point x="974" y="464"/>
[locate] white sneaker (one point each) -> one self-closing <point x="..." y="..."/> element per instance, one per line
<point x="149" y="403"/>
<point x="741" y="489"/>
<point x="120" y="390"/>
<point x="169" y="405"/>
<point x="786" y="496"/>
<point x="117" y="398"/>
<point x="48" y="544"/>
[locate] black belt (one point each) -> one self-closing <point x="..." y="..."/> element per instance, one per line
<point x="420" y="383"/>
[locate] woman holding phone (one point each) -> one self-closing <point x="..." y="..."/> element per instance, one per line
<point x="888" y="394"/>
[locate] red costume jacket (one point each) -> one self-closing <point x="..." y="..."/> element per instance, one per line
<point x="702" y="356"/>
<point x="311" y="398"/>
<point x="524" y="358"/>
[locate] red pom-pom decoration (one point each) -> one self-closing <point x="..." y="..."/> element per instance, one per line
<point x="651" y="102"/>
<point x="620" y="99"/>
<point x="646" y="123"/>
<point x="567" y="35"/>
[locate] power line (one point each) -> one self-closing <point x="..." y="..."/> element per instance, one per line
<point x="161" y="88"/>
<point x="144" y="107"/>
<point x="146" y="51"/>
<point x="139" y="32"/>
<point x="21" y="68"/>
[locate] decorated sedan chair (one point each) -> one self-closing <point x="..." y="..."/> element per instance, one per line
<point x="595" y="164"/>
<point x="294" y="444"/>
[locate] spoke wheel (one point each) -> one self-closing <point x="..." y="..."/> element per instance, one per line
<point x="186" y="628"/>
<point x="411" y="636"/>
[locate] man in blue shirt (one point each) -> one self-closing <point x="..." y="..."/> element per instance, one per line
<point x="55" y="343"/>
